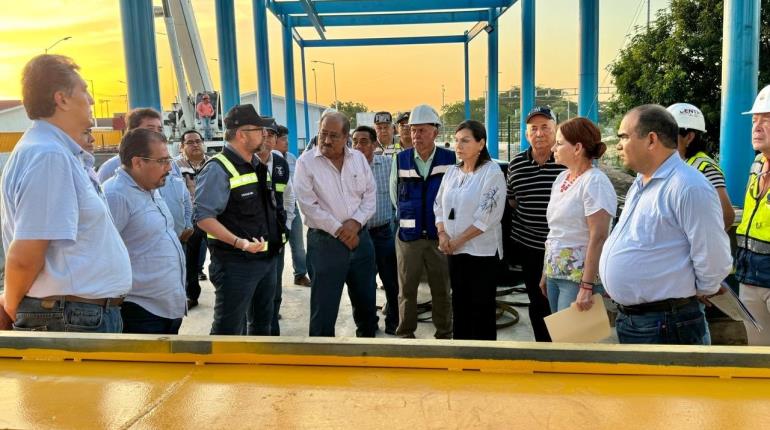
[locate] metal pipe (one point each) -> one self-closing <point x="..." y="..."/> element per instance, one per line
<point x="264" y="89"/>
<point x="588" y="99"/>
<point x="228" y="54"/>
<point x="527" y="66"/>
<point x="140" y="56"/>
<point x="492" y="109"/>
<point x="288" y="75"/>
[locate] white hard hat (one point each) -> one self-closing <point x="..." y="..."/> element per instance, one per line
<point x="688" y="116"/>
<point x="761" y="103"/>
<point x="424" y="114"/>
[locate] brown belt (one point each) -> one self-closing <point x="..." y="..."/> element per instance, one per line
<point x="112" y="301"/>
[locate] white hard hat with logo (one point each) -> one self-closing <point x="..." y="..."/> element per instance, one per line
<point x="424" y="114"/>
<point x="761" y="103"/>
<point x="688" y="116"/>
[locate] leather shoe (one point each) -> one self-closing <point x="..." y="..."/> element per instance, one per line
<point x="302" y="281"/>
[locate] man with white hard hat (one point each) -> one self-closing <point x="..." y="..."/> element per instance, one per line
<point x="752" y="259"/>
<point x="414" y="182"/>
<point x="694" y="149"/>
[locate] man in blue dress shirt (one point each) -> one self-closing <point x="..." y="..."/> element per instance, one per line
<point x="668" y="247"/>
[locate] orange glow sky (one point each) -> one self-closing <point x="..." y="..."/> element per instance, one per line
<point x="388" y="77"/>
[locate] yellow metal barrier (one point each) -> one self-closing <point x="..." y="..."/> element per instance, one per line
<point x="8" y="141"/>
<point x="104" y="140"/>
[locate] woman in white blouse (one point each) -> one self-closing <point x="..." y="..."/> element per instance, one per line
<point x="468" y="208"/>
<point x="582" y="204"/>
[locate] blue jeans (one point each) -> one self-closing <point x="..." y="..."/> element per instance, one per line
<point x="562" y="293"/>
<point x="685" y="325"/>
<point x="385" y="256"/>
<point x="49" y="315"/>
<point x="297" y="243"/>
<point x="275" y="327"/>
<point x="241" y="283"/>
<point x="137" y="319"/>
<point x="206" y="127"/>
<point x="334" y="265"/>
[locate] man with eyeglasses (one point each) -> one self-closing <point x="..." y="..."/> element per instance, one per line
<point x="157" y="301"/>
<point x="336" y="192"/>
<point x="192" y="157"/>
<point x="236" y="206"/>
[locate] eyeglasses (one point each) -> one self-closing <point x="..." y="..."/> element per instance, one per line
<point x="161" y="161"/>
<point x="270" y="133"/>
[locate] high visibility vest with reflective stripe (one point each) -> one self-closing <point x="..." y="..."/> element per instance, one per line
<point x="754" y="231"/>
<point x="701" y="161"/>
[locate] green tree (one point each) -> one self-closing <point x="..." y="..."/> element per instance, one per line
<point x="350" y="109"/>
<point x="680" y="60"/>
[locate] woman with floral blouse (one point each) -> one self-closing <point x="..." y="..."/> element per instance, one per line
<point x="582" y="204"/>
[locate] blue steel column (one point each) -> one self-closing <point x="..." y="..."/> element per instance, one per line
<point x="139" y="48"/>
<point x="740" y="63"/>
<point x="228" y="54"/>
<point x="467" y="84"/>
<point x="493" y="111"/>
<point x="288" y="77"/>
<point x="304" y="97"/>
<point x="527" y="65"/>
<point x="588" y="100"/>
<point x="264" y="91"/>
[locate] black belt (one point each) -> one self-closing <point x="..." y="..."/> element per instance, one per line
<point x="659" y="306"/>
<point x="48" y="302"/>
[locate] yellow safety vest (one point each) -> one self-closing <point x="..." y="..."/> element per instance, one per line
<point x="754" y="231"/>
<point x="701" y="161"/>
<point x="237" y="180"/>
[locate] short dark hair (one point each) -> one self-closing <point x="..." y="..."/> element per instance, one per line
<point x="186" y="132"/>
<point x="366" y="128"/>
<point x="43" y="76"/>
<point x="652" y="118"/>
<point x="698" y="144"/>
<point x="479" y="132"/>
<point x="135" y="117"/>
<point x="282" y="130"/>
<point x="136" y="143"/>
<point x="583" y="130"/>
<point x="341" y="117"/>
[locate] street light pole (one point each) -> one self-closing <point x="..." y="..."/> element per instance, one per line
<point x="334" y="77"/>
<point x="315" y="85"/>
<point x="57" y="42"/>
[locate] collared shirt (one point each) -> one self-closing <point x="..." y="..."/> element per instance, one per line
<point x="47" y="195"/>
<point x="530" y="185"/>
<point x="328" y="197"/>
<point x="669" y="241"/>
<point x="157" y="259"/>
<point x="289" y="200"/>
<point x="174" y="192"/>
<point x="189" y="171"/>
<point x="381" y="171"/>
<point x="290" y="158"/>
<point x="423" y="168"/>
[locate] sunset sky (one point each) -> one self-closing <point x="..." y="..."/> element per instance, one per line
<point x="387" y="77"/>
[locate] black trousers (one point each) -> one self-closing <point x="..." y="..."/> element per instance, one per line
<point x="531" y="261"/>
<point x="192" y="255"/>
<point x="473" y="296"/>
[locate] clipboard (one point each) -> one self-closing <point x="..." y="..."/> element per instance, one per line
<point x="733" y="307"/>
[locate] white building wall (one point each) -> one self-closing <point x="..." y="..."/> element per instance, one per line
<point x="14" y="120"/>
<point x="279" y="113"/>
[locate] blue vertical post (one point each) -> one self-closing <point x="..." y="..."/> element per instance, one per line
<point x="467" y="83"/>
<point x="228" y="54"/>
<point x="139" y="48"/>
<point x="264" y="91"/>
<point x="493" y="111"/>
<point x="740" y="63"/>
<point x="288" y="77"/>
<point x="527" y="65"/>
<point x="304" y="97"/>
<point x="588" y="100"/>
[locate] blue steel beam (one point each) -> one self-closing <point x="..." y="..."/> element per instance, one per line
<point x="467" y="82"/>
<point x="264" y="89"/>
<point x="304" y="97"/>
<point x="476" y="29"/>
<point x="313" y="17"/>
<point x="288" y="77"/>
<point x="527" y="66"/>
<point x="417" y="40"/>
<point x="228" y="54"/>
<point x="740" y="64"/>
<point x="375" y="6"/>
<point x="588" y="100"/>
<point x="139" y="48"/>
<point x="393" y="19"/>
<point x="493" y="113"/>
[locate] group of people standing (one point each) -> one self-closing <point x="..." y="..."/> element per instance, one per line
<point x="119" y="250"/>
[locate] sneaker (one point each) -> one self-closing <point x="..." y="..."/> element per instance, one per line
<point x="302" y="281"/>
<point x="202" y="276"/>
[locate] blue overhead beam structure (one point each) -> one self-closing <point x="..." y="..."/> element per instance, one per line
<point x="138" y="23"/>
<point x="288" y="77"/>
<point x="527" y="66"/>
<point x="416" y="40"/>
<point x="493" y="113"/>
<point x="264" y="91"/>
<point x="740" y="65"/>
<point x="228" y="54"/>
<point x="313" y="17"/>
<point x="304" y="97"/>
<point x="374" y="6"/>
<point x="392" y="19"/>
<point x="467" y="81"/>
<point x="588" y="99"/>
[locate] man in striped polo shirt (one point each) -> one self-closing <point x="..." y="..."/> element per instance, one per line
<point x="531" y="174"/>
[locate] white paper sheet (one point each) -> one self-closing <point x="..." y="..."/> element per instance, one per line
<point x="572" y="325"/>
